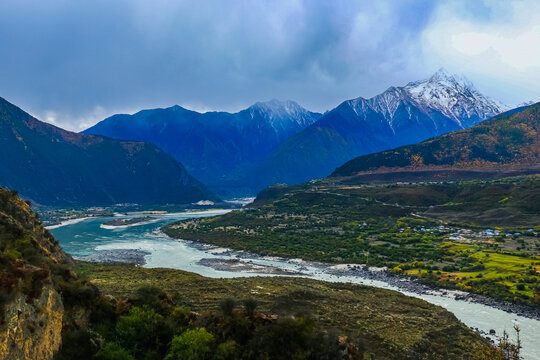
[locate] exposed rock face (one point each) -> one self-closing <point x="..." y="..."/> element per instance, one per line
<point x="35" y="275"/>
<point x="32" y="331"/>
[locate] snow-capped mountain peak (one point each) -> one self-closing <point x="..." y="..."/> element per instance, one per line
<point x="444" y="77"/>
<point x="454" y="96"/>
<point x="274" y="108"/>
<point x="450" y="101"/>
<point x="276" y="112"/>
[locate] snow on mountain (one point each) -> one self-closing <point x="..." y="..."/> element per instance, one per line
<point x="212" y="145"/>
<point x="277" y="112"/>
<point x="453" y="96"/>
<point x="526" y="103"/>
<point x="399" y="116"/>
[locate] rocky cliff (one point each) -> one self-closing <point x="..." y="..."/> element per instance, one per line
<point x="32" y="330"/>
<point x="37" y="286"/>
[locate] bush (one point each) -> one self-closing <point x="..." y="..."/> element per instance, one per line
<point x="151" y="296"/>
<point x="294" y="338"/>
<point x="77" y="293"/>
<point x="113" y="351"/>
<point x="250" y="305"/>
<point x="180" y="318"/>
<point x="79" y="344"/>
<point x="192" y="345"/>
<point x="226" y="351"/>
<point x="227" y="306"/>
<point x="143" y="331"/>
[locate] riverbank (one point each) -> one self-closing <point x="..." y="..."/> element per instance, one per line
<point x="68" y="222"/>
<point x="118" y="256"/>
<point x="85" y="238"/>
<point x="391" y="227"/>
<point x="242" y="262"/>
<point x="387" y="324"/>
<point x="124" y="223"/>
<point x="411" y="283"/>
<point x="404" y="283"/>
<point x="236" y="265"/>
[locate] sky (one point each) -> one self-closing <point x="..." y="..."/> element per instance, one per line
<point x="74" y="63"/>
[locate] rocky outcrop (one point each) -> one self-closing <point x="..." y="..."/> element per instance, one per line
<point x="39" y="292"/>
<point x="32" y="330"/>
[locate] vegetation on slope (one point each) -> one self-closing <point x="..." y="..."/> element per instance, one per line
<point x="430" y="230"/>
<point x="511" y="139"/>
<point x="30" y="257"/>
<point x="216" y="147"/>
<point x="40" y="296"/>
<point x="51" y="166"/>
<point x="166" y="314"/>
<point x="293" y="317"/>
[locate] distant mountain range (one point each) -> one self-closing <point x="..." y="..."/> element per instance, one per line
<point x="281" y="142"/>
<point x="506" y="143"/>
<point x="400" y="115"/>
<point x="51" y="166"/>
<point x="214" y="146"/>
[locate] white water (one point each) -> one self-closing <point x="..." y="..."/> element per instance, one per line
<point x="83" y="238"/>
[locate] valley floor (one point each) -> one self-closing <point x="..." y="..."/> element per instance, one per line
<point x="385" y="324"/>
<point x="476" y="236"/>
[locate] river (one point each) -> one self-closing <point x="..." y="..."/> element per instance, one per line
<point x="87" y="238"/>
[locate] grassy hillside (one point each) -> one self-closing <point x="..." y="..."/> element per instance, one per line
<point x="399" y="327"/>
<point x="509" y="140"/>
<point x="397" y="226"/>
<point x="94" y="311"/>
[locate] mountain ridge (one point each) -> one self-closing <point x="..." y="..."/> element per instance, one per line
<point x="396" y="117"/>
<point x="212" y="145"/>
<point x="508" y="140"/>
<point x="52" y="166"/>
<point x="282" y="142"/>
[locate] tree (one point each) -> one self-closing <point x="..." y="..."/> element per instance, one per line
<point x="192" y="345"/>
<point x="225" y="351"/>
<point x="227" y="306"/>
<point x="143" y="330"/>
<point x="250" y="305"/>
<point x="504" y="350"/>
<point x="113" y="351"/>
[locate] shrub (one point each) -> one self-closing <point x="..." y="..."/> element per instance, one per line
<point x="76" y="293"/>
<point x="226" y="351"/>
<point x="143" y="330"/>
<point x="113" y="351"/>
<point x="180" y="319"/>
<point x="294" y="338"/>
<point x="151" y="296"/>
<point x="192" y="345"/>
<point x="250" y="305"/>
<point x="227" y="306"/>
<point x="78" y="344"/>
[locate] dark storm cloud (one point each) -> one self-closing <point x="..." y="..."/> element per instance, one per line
<point x="75" y="62"/>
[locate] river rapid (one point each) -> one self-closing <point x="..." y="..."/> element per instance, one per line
<point x="144" y="243"/>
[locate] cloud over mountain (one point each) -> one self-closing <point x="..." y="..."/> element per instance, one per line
<point x="77" y="62"/>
